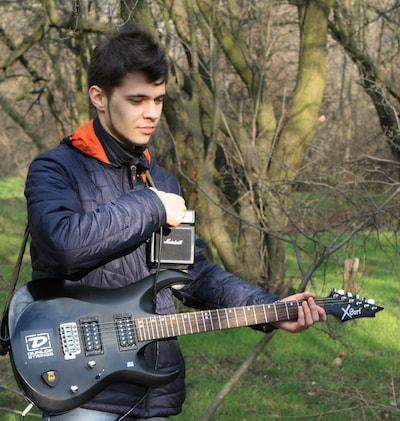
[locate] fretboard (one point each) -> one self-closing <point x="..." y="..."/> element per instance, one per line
<point x="165" y="326"/>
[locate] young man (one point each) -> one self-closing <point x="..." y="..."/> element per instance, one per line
<point x="91" y="214"/>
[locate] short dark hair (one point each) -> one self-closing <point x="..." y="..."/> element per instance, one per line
<point x="131" y="49"/>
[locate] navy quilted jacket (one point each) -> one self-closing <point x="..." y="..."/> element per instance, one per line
<point x="90" y="218"/>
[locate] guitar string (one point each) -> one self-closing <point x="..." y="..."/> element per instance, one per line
<point x="230" y="313"/>
<point x="178" y="321"/>
<point x="280" y="307"/>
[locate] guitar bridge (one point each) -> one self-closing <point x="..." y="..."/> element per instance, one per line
<point x="69" y="340"/>
<point x="125" y="332"/>
<point x="91" y="336"/>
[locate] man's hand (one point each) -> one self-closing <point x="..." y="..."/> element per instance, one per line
<point x="308" y="313"/>
<point x="175" y="208"/>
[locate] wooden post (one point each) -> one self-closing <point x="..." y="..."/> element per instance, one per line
<point x="350" y="274"/>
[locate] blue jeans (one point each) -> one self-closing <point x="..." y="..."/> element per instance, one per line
<point x="81" y="414"/>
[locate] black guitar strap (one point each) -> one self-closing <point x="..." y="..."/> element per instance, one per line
<point x="149" y="179"/>
<point x="4" y="332"/>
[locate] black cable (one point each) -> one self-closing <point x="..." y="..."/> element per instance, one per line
<point x="158" y="268"/>
<point x="121" y="417"/>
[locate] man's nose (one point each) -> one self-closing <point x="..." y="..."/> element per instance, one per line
<point x="152" y="111"/>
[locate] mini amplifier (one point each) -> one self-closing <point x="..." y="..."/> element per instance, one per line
<point x="176" y="250"/>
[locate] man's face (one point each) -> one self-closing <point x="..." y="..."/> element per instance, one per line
<point x="131" y="113"/>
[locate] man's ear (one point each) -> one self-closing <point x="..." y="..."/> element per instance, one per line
<point x="98" y="97"/>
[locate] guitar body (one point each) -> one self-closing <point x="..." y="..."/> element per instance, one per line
<point x="68" y="341"/>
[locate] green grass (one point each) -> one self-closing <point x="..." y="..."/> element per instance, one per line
<point x="292" y="378"/>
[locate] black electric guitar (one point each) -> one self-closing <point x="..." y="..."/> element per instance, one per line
<point x="69" y="342"/>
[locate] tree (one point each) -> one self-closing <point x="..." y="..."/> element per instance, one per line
<point x="354" y="27"/>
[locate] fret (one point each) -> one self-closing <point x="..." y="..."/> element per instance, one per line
<point x="236" y="318"/>
<point x="204" y="322"/>
<point x="151" y="331"/>
<point x="139" y="329"/>
<point x="197" y="323"/>
<point x="210" y="314"/>
<point x="245" y="316"/>
<point x="162" y="322"/>
<point x="147" y="328"/>
<point x="190" y="323"/>
<point x="153" y="327"/>
<point x="219" y="320"/>
<point x="227" y="318"/>
<point x="254" y="314"/>
<point x="146" y="334"/>
<point x="184" y="323"/>
<point x="295" y="310"/>
<point x="159" y="328"/>
<point x="265" y="313"/>
<point x="155" y="324"/>
<point x="287" y="312"/>
<point x="171" y="327"/>
<point x="206" y="318"/>
<point x="210" y="318"/>
<point x="175" y="321"/>
<point x="166" y="328"/>
<point x="223" y="319"/>
<point x="276" y="314"/>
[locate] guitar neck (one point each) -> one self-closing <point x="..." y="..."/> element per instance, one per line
<point x="165" y="326"/>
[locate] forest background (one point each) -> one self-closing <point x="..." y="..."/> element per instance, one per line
<point x="281" y="119"/>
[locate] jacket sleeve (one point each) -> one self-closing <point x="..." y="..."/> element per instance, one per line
<point x="75" y="231"/>
<point x="213" y="287"/>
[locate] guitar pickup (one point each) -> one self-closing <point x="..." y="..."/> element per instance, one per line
<point x="125" y="332"/>
<point x="91" y="335"/>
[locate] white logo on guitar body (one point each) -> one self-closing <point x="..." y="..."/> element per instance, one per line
<point x="38" y="346"/>
<point x="350" y="312"/>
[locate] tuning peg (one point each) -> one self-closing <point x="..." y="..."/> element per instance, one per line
<point x="340" y="292"/>
<point x="349" y="294"/>
<point x="370" y="303"/>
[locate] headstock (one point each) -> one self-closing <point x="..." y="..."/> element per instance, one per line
<point x="345" y="306"/>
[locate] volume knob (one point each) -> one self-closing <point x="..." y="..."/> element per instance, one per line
<point x="91" y="364"/>
<point x="74" y="388"/>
